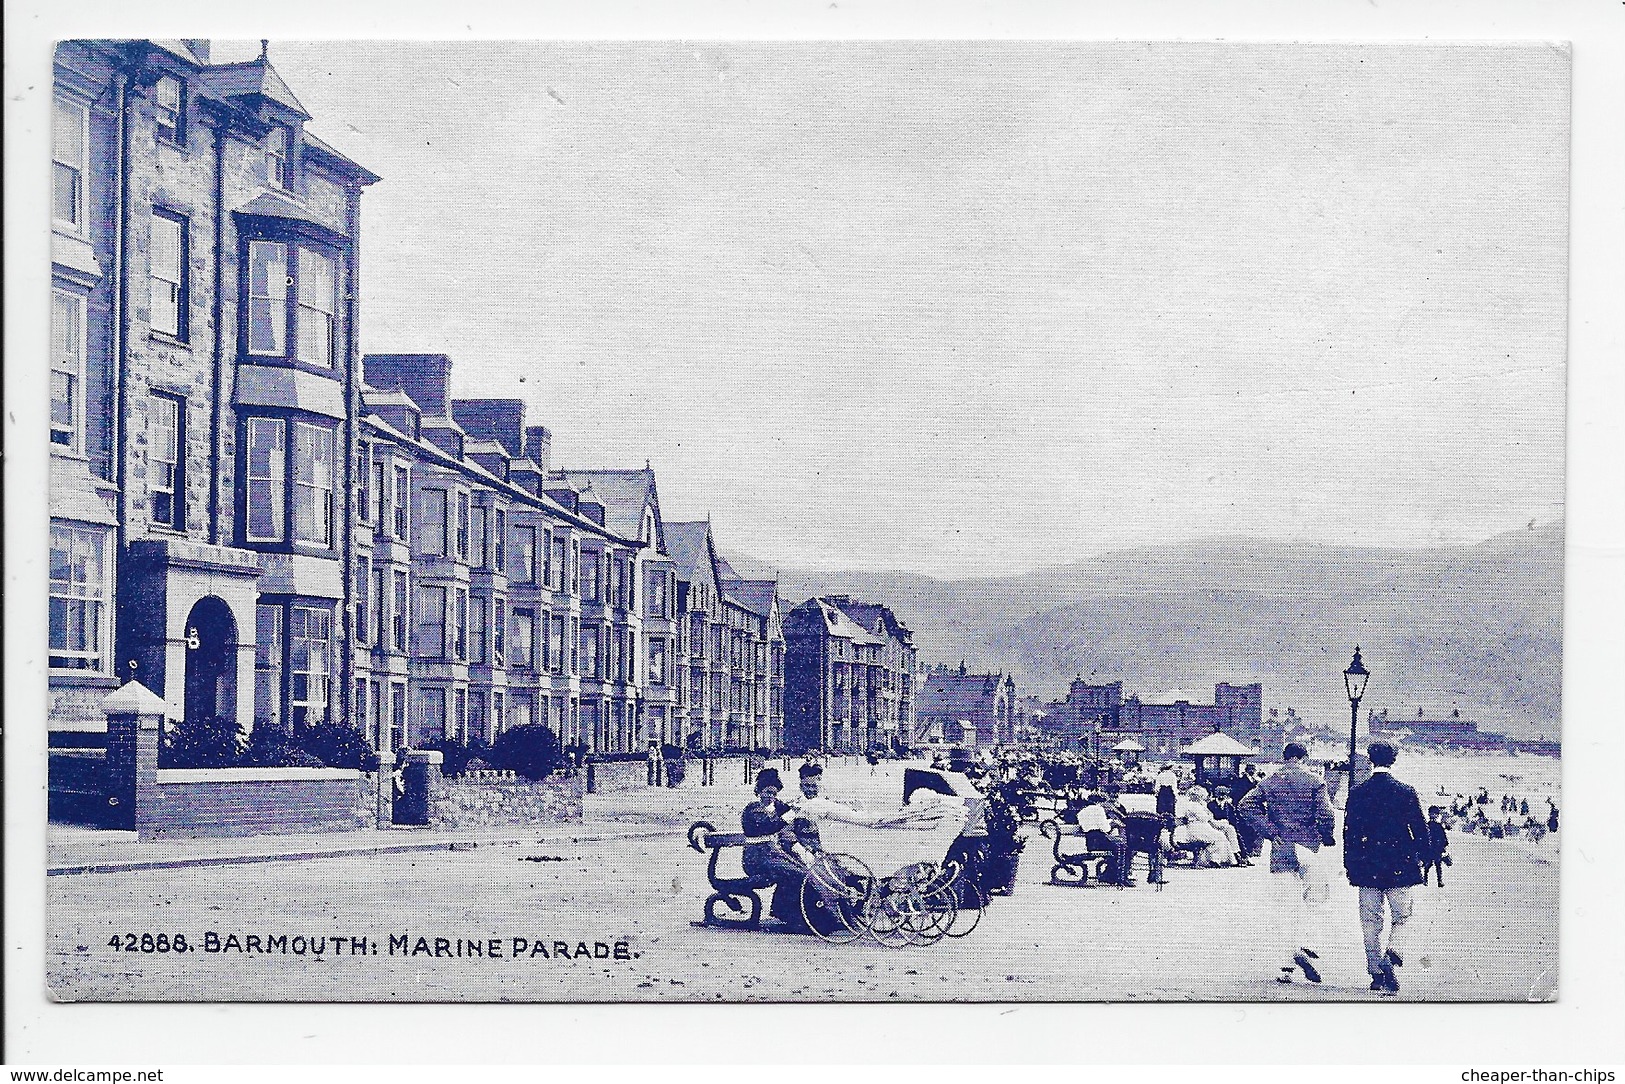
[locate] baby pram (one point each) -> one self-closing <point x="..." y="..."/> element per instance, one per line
<point x="924" y="898"/>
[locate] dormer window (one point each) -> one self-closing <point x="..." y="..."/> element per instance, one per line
<point x="169" y="114"/>
<point x="276" y="158"/>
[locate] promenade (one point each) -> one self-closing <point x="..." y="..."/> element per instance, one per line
<point x="626" y="881"/>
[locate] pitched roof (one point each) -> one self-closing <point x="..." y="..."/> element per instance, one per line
<point x="624" y="494"/>
<point x="946" y="692"/>
<point x="327" y="150"/>
<point x="872" y="615"/>
<point x="252" y="78"/>
<point x="690" y="547"/>
<point x="754" y="595"/>
<point x="835" y="623"/>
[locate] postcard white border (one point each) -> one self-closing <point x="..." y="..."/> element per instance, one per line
<point x="1583" y="1026"/>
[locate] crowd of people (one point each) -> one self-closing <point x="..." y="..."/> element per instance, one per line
<point x="1475" y="813"/>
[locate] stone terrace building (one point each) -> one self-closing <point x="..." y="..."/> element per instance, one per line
<point x="499" y="593"/>
<point x="204" y="386"/>
<point x="951" y="699"/>
<point x="850" y="673"/>
<point x="731" y="648"/>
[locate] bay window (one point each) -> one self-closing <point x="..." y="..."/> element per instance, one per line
<point x="268" y="664"/>
<point x="432" y="523"/>
<point x="67" y="370"/>
<point x="317" y="296"/>
<point x="398" y="615"/>
<point x="267" y="471"/>
<point x="70" y="151"/>
<point x="499" y="634"/>
<point x="267" y="297"/>
<point x="480" y="620"/>
<point x="297" y="283"/>
<point x="522" y="639"/>
<point x="462" y="527"/>
<point x="280" y="449"/>
<point x="80" y="633"/>
<point x="310" y="631"/>
<point x="431" y="629"/>
<point x="476" y="530"/>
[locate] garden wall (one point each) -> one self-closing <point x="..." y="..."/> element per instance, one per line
<point x="197" y="802"/>
<point x="502" y="799"/>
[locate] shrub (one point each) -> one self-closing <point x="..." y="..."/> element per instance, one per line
<point x="338" y="746"/>
<point x="269" y="747"/>
<point x="209" y="742"/>
<point x="531" y="751"/>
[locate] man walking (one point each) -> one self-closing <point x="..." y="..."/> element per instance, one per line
<point x="1290" y="808"/>
<point x="1385" y="843"/>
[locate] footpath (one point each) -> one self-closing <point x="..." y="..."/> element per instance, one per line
<point x="71" y="850"/>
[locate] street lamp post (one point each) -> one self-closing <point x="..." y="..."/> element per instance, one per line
<point x="1354" y="679"/>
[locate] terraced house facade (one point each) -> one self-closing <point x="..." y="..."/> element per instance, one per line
<point x="204" y="386"/>
<point x="260" y="524"/>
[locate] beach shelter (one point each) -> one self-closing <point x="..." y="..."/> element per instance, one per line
<point x="1129" y="750"/>
<point x="1218" y="758"/>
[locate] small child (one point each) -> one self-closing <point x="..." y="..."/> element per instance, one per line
<point x="1438" y="844"/>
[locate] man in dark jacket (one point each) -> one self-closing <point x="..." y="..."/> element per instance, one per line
<point x="1385" y="843"/>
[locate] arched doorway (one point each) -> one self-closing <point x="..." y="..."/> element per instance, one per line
<point x="211" y="660"/>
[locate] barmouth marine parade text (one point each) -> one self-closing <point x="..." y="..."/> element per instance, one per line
<point x="402" y="944"/>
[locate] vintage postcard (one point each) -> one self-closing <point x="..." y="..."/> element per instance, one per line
<point x="807" y="521"/>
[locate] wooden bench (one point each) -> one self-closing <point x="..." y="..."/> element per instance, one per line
<point x="1072" y="868"/>
<point x="737" y="894"/>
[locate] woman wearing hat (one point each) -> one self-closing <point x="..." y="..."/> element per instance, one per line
<point x="772" y="854"/>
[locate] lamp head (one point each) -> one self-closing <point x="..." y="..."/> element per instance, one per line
<point x="1355" y="677"/>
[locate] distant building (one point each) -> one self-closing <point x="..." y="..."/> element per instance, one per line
<point x="1453" y="732"/>
<point x="952" y="700"/>
<point x="1096" y="717"/>
<point x="849" y="680"/>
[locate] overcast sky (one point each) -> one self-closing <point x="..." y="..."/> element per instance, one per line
<point x="963" y="308"/>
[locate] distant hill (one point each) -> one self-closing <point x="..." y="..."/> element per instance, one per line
<point x="1476" y="627"/>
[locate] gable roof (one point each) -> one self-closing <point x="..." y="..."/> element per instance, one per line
<point x="757" y="596"/>
<point x="624" y="495"/>
<point x="689" y="545"/>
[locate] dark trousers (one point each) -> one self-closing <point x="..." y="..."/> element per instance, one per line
<point x="1436" y="867"/>
<point x="1117" y="845"/>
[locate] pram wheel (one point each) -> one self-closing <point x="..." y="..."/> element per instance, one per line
<point x="836" y="896"/>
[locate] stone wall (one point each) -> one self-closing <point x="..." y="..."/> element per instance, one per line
<point x="603" y="777"/>
<point x="502" y="799"/>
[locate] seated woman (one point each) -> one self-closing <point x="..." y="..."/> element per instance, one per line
<point x="772" y="854"/>
<point x="1194" y="823"/>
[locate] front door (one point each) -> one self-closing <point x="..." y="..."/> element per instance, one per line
<point x="211" y="661"/>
